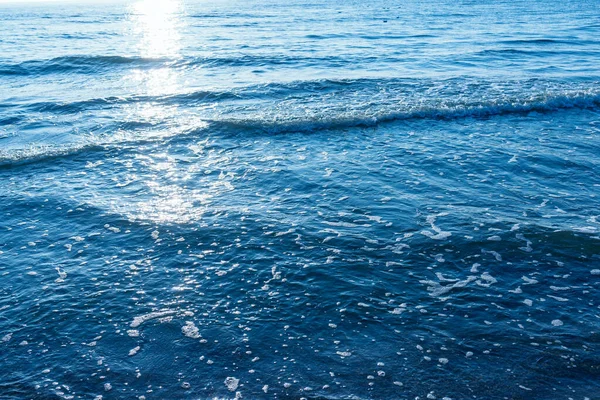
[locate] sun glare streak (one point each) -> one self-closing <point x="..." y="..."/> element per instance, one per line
<point x="158" y="23"/>
<point x="156" y="27"/>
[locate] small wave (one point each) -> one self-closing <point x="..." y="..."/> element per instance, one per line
<point x="96" y="64"/>
<point x="11" y="158"/>
<point x="120" y="136"/>
<point x="510" y="52"/>
<point x="311" y="106"/>
<point x="79" y="64"/>
<point x="443" y="112"/>
<point x="194" y="97"/>
<point x="534" y="41"/>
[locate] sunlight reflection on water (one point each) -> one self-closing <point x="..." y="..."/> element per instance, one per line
<point x="158" y="23"/>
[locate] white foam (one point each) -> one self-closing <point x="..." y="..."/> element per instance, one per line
<point x="486" y="280"/>
<point x="61" y="275"/>
<point x="496" y="255"/>
<point x="439" y="234"/>
<point x="557" y="322"/>
<point x="585" y="229"/>
<point x="190" y="330"/>
<point x="436" y="289"/>
<point x="529" y="281"/>
<point x="134" y="351"/>
<point x="231" y="383"/>
<point x="561" y="299"/>
<point x="137" y="321"/>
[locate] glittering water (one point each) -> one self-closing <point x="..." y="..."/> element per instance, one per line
<point x="285" y="200"/>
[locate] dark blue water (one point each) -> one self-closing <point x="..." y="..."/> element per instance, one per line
<point x="286" y="200"/>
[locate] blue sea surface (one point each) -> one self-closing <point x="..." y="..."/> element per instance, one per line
<point x="300" y="200"/>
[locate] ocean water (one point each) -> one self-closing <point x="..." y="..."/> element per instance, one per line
<point x="300" y="199"/>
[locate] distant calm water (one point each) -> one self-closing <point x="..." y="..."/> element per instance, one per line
<point x="300" y="199"/>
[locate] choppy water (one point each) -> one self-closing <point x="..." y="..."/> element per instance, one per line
<point x="284" y="200"/>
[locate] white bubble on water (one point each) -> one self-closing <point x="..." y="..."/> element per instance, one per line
<point x="232" y="383"/>
<point x="134" y="351"/>
<point x="439" y="234"/>
<point x="137" y="321"/>
<point x="61" y="275"/>
<point x="486" y="280"/>
<point x="557" y="322"/>
<point x="529" y="281"/>
<point x="561" y="299"/>
<point x="190" y="330"/>
<point x="437" y="290"/>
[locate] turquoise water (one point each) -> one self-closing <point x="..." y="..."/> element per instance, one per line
<point x="286" y="200"/>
